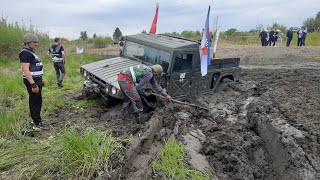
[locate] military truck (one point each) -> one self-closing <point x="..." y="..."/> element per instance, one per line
<point x="179" y="57"/>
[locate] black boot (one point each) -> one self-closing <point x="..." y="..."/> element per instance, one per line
<point x="137" y="117"/>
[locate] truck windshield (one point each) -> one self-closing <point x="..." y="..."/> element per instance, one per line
<point x="147" y="54"/>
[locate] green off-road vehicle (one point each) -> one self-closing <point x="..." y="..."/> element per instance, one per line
<point x="180" y="59"/>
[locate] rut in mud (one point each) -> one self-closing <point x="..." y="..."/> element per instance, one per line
<point x="264" y="127"/>
<point x="253" y="130"/>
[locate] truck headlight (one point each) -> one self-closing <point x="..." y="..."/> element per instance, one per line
<point x="114" y="90"/>
<point x="85" y="73"/>
<point x="107" y="89"/>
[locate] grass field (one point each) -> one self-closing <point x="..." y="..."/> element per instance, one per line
<point x="313" y="39"/>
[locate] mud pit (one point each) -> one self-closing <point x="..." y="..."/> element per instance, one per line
<point x="266" y="126"/>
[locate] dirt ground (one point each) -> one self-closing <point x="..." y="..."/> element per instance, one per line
<point x="266" y="126"/>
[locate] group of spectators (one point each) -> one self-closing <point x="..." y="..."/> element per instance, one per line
<point x="269" y="38"/>
<point x="272" y="36"/>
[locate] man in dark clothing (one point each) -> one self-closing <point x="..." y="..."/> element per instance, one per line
<point x="275" y="37"/>
<point x="56" y="52"/>
<point x="271" y="36"/>
<point x="304" y="36"/>
<point x="32" y="69"/>
<point x="299" y="33"/>
<point x="263" y="36"/>
<point x="133" y="82"/>
<point x="289" y="36"/>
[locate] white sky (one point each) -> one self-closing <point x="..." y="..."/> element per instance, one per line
<point x="68" y="17"/>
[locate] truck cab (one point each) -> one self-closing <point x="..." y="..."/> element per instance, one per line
<point x="180" y="59"/>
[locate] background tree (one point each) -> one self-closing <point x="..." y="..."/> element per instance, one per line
<point x="259" y="28"/>
<point x="101" y="42"/>
<point x="230" y="31"/>
<point x="187" y="34"/>
<point x="143" y="31"/>
<point x="252" y="31"/>
<point x="94" y="35"/>
<point x="313" y="24"/>
<point x="84" y="35"/>
<point x="281" y="27"/>
<point x="117" y="35"/>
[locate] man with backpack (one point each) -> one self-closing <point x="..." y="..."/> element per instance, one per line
<point x="58" y="56"/>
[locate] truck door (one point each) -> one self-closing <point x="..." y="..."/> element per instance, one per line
<point x="181" y="74"/>
<point x="201" y="83"/>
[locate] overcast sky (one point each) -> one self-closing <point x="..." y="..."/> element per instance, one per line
<point x="68" y="17"/>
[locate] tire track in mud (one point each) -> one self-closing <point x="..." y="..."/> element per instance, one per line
<point x="244" y="136"/>
<point x="250" y="132"/>
<point x="285" y="147"/>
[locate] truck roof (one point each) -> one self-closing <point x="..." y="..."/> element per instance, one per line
<point x="164" y="41"/>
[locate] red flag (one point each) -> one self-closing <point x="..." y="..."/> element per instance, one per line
<point x="153" y="28"/>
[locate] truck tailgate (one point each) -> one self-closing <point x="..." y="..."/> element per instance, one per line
<point x="224" y="63"/>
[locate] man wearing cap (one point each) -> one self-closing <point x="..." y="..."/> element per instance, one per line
<point x="56" y="52"/>
<point x="133" y="82"/>
<point x="32" y="69"/>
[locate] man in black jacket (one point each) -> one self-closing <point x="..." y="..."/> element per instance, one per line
<point x="271" y="36"/>
<point x="289" y="36"/>
<point x="263" y="36"/>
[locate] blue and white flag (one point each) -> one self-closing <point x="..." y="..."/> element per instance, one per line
<point x="205" y="47"/>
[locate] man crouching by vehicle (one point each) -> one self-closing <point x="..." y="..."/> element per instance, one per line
<point x="133" y="82"/>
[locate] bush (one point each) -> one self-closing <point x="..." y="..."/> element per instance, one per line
<point x="11" y="38"/>
<point x="101" y="42"/>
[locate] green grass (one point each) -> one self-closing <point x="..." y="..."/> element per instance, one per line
<point x="67" y="155"/>
<point x="172" y="163"/>
<point x="14" y="112"/>
<point x="313" y="39"/>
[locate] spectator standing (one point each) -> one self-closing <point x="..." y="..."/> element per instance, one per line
<point x="299" y="33"/>
<point x="289" y="36"/>
<point x="56" y="52"/>
<point x="32" y="69"/>
<point x="271" y="36"/>
<point x="304" y="36"/>
<point x="263" y="36"/>
<point x="275" y="37"/>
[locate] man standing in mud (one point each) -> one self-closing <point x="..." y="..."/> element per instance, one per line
<point x="133" y="82"/>
<point x="32" y="78"/>
<point x="56" y="52"/>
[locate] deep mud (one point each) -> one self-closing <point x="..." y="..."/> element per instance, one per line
<point x="266" y="126"/>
